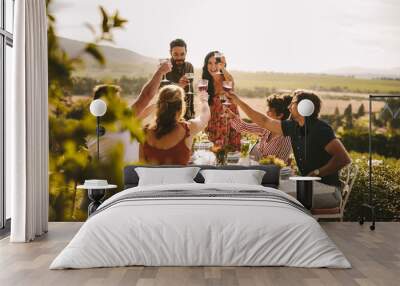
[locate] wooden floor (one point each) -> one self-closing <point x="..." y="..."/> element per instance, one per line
<point x="375" y="257"/>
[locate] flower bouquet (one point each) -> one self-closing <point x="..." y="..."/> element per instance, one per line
<point x="221" y="153"/>
<point x="271" y="159"/>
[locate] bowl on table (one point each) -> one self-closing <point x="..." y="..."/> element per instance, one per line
<point x="285" y="173"/>
<point x="233" y="157"/>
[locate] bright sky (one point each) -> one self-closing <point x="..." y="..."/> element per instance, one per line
<point x="255" y="35"/>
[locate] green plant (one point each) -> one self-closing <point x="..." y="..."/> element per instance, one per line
<point x="385" y="185"/>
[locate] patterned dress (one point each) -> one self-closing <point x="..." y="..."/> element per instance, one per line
<point x="219" y="129"/>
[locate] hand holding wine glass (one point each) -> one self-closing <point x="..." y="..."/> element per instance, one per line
<point x="227" y="86"/>
<point x="202" y="85"/>
<point x="165" y="67"/>
<point x="222" y="65"/>
<point x="183" y="81"/>
<point x="203" y="96"/>
<point x="218" y="60"/>
<point x="232" y="97"/>
<point x="223" y="61"/>
<point x="189" y="77"/>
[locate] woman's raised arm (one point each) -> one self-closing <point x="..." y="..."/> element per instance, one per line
<point x="200" y="122"/>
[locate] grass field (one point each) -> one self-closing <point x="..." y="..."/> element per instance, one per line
<point x="287" y="81"/>
<point x="259" y="104"/>
<point x="335" y="91"/>
<point x="315" y="82"/>
<point x="319" y="82"/>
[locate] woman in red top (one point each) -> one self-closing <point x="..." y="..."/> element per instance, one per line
<point x="169" y="139"/>
<point x="219" y="130"/>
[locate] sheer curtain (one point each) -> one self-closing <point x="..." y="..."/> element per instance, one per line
<point x="27" y="123"/>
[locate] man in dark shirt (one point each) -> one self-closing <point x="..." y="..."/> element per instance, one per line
<point x="319" y="135"/>
<point x="180" y="67"/>
<point x="325" y="156"/>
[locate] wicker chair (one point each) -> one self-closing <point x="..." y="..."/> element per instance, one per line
<point x="350" y="173"/>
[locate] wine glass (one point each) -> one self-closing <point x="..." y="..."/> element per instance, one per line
<point x="202" y="85"/>
<point x="223" y="99"/>
<point x="190" y="77"/>
<point x="164" y="77"/>
<point x="225" y="104"/>
<point x="227" y="86"/>
<point x="218" y="59"/>
<point x="244" y="148"/>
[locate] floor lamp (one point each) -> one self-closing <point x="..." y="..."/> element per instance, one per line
<point x="98" y="108"/>
<point x="304" y="185"/>
<point x="306" y="109"/>
<point x="369" y="206"/>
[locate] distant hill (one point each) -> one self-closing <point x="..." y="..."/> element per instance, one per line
<point x="360" y="72"/>
<point x="123" y="62"/>
<point x="118" y="61"/>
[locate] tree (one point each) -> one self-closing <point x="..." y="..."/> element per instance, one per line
<point x="361" y="111"/>
<point x="337" y="122"/>
<point x="348" y="116"/>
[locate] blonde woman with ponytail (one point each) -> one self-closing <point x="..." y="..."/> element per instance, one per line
<point x="169" y="139"/>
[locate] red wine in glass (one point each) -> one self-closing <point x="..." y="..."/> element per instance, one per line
<point x="202" y="85"/>
<point x="227" y="88"/>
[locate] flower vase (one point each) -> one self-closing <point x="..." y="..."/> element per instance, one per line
<point x="221" y="158"/>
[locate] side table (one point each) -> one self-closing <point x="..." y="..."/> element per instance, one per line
<point x="304" y="189"/>
<point x="96" y="195"/>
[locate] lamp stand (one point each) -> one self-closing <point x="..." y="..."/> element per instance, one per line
<point x="369" y="206"/>
<point x="98" y="137"/>
<point x="100" y="131"/>
<point x="305" y="139"/>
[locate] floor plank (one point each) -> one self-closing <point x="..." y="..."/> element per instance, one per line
<point x="375" y="257"/>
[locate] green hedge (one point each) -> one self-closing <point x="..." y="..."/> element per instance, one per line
<point x="385" y="185"/>
<point x="382" y="144"/>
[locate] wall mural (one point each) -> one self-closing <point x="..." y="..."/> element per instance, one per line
<point x="169" y="110"/>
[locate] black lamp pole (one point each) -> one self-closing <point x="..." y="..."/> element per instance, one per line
<point x="369" y="204"/>
<point x="98" y="137"/>
<point x="100" y="131"/>
<point x="305" y="139"/>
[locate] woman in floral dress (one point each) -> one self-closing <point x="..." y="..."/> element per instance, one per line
<point x="219" y="129"/>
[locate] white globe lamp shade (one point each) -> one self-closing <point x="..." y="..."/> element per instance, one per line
<point x="305" y="107"/>
<point x="98" y="107"/>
